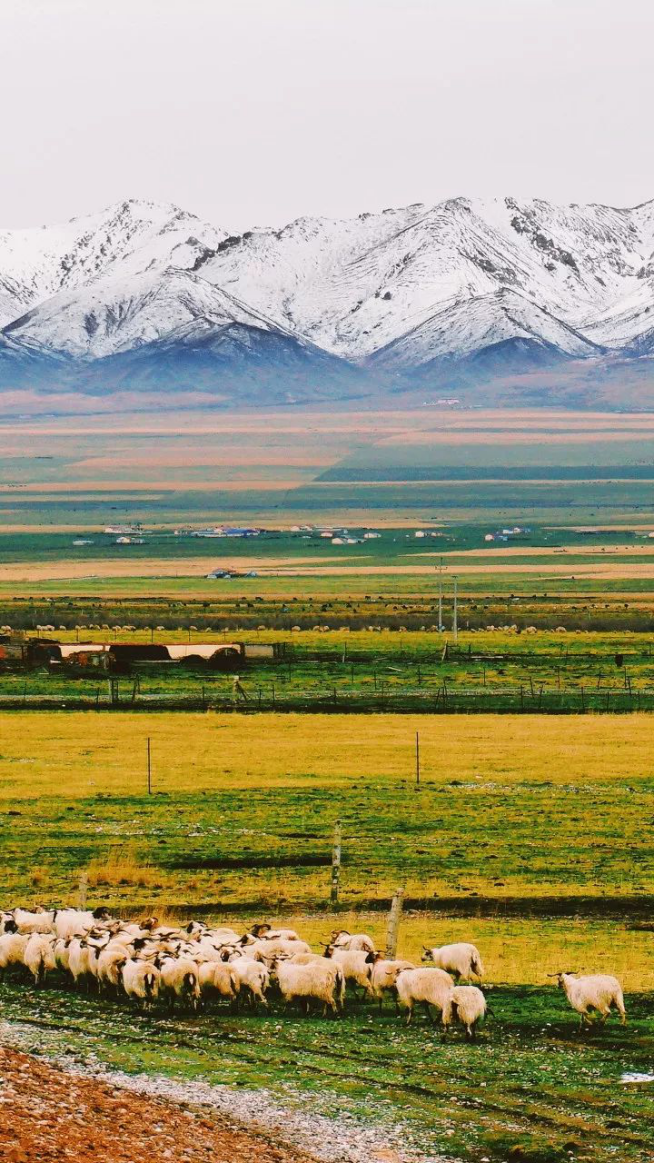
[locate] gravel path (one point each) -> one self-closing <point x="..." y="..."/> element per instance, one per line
<point x="249" y="1126"/>
<point x="50" y="1115"/>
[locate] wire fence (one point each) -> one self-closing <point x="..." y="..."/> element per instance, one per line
<point x="447" y="700"/>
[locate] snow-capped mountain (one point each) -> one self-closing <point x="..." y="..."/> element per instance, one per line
<point x="407" y="295"/>
<point x="115" y="314"/>
<point x="130" y="237"/>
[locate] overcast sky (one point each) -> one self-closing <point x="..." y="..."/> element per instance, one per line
<point x="256" y="111"/>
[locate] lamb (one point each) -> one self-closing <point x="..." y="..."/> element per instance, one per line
<point x="323" y="982"/>
<point x="218" y="979"/>
<point x="344" y="940"/>
<point x="38" y="956"/>
<point x="461" y="959"/>
<point x="468" y="1007"/>
<point x="594" y="991"/>
<point x="355" y="966"/>
<point x="432" y="987"/>
<point x="384" y="974"/>
<point x="141" y="981"/>
<point x="180" y="980"/>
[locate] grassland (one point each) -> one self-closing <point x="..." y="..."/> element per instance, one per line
<point x="297" y="463"/>
<point x="509" y="808"/>
<point x="528" y="836"/>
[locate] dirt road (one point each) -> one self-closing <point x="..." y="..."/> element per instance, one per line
<point x="54" y="1117"/>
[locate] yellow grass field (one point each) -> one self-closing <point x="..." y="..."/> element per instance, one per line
<point x="83" y="752"/>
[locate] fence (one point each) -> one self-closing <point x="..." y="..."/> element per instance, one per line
<point x="447" y="700"/>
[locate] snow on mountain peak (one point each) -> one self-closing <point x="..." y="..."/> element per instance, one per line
<point x="398" y="290"/>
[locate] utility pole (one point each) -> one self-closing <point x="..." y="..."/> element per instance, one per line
<point x="440" y="596"/>
<point x="417" y="759"/>
<point x="455" y="612"/>
<point x="149" y="769"/>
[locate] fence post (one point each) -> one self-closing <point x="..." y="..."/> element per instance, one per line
<point x="83" y="887"/>
<point x="336" y="862"/>
<point x="417" y="759"/>
<point x="394" y="923"/>
<point x="149" y="768"/>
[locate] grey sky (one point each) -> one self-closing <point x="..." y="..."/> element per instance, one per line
<point x="257" y="111"/>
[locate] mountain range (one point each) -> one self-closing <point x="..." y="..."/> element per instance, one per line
<point x="497" y="300"/>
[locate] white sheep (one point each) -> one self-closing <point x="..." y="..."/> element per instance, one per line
<point x="12" y="950"/>
<point x="109" y="965"/>
<point x="34" y="922"/>
<point x="323" y="982"/>
<point x="217" y="979"/>
<point x="461" y="959"/>
<point x="180" y="980"/>
<point x="277" y="947"/>
<point x="468" y="1007"/>
<point x="79" y="956"/>
<point x="38" y="956"/>
<point x="252" y="976"/>
<point x="141" y="981"/>
<point x="383" y="975"/>
<point x="266" y="932"/>
<point x="355" y="965"/>
<point x="62" y="953"/>
<point x="70" y="922"/>
<point x="344" y="940"/>
<point x="432" y="987"/>
<point x="594" y="991"/>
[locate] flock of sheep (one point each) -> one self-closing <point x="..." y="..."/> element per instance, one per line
<point x="147" y="961"/>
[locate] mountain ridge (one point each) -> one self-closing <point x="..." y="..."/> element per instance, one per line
<point x="416" y="295"/>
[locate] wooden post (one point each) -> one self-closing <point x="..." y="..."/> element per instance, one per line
<point x="83" y="886"/>
<point x="336" y="862"/>
<point x="394" y="923"/>
<point x="417" y="759"/>
<point x="149" y="768"/>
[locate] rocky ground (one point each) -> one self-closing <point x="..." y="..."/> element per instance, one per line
<point x="48" y="1115"/>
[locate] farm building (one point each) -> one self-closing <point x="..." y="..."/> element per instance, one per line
<point x="121" y="657"/>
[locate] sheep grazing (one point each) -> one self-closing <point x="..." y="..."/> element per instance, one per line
<point x="141" y="981"/>
<point x="432" y="987"/>
<point x="38" y="957"/>
<point x="468" y="1007"/>
<point x="323" y="982"/>
<point x="595" y="991"/>
<point x="355" y="966"/>
<point x="461" y="959"/>
<point x="341" y="939"/>
<point x="218" y="979"/>
<point x="180" y="981"/>
<point x="384" y="974"/>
